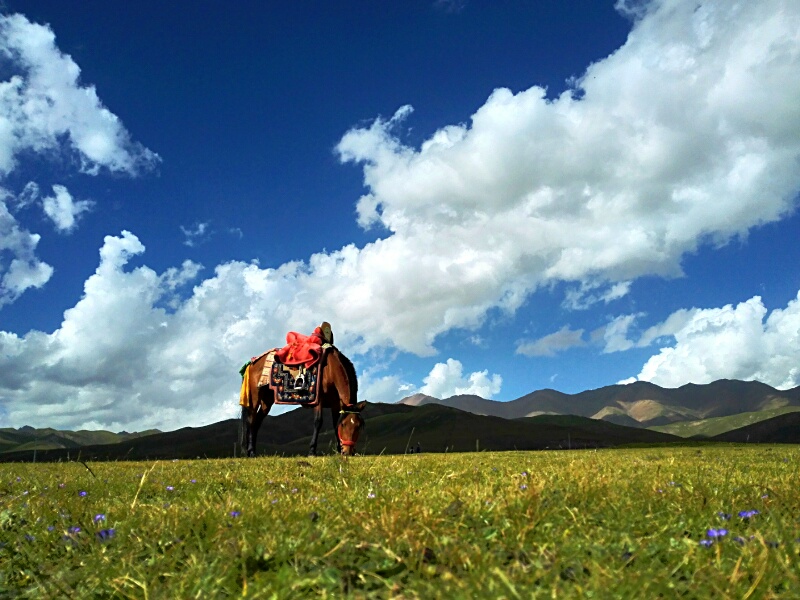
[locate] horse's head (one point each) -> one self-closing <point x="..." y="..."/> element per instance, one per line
<point x="349" y="427"/>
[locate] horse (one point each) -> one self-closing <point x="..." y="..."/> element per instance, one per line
<point x="338" y="392"/>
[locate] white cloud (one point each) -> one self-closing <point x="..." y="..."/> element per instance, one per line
<point x="446" y="379"/>
<point x="550" y="345"/>
<point x="730" y="343"/>
<point x="195" y="234"/>
<point x="689" y="134"/>
<point x="44" y="110"/>
<point x="20" y="269"/>
<point x="43" y="102"/>
<point x="63" y="210"/>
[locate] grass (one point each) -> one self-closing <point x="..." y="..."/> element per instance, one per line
<point x="608" y="524"/>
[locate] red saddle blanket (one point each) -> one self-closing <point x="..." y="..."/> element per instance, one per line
<point x="301" y="349"/>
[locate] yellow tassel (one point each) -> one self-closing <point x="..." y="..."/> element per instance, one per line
<point x="244" y="395"/>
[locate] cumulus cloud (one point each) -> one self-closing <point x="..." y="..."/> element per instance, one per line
<point x="732" y="342"/>
<point x="63" y="210"/>
<point x="550" y="345"/>
<point x="43" y="103"/>
<point x="446" y="379"/>
<point x="689" y="134"/>
<point x="20" y="269"/>
<point x="44" y="110"/>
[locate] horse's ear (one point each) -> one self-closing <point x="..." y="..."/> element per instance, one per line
<point x="360" y="406"/>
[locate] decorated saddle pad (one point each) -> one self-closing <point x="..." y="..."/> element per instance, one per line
<point x="292" y="384"/>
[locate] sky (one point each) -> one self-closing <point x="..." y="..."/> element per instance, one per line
<point x="482" y="198"/>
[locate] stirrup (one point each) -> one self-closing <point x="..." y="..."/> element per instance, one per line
<point x="300" y="383"/>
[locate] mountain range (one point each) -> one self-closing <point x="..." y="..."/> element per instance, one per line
<point x="639" y="413"/>
<point x="639" y="404"/>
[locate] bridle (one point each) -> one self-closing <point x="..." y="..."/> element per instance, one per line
<point x="343" y="412"/>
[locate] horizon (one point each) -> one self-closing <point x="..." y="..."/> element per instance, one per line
<point x="480" y="199"/>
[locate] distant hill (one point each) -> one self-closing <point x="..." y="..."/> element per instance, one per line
<point x="639" y="413"/>
<point x="391" y="428"/>
<point x="29" y="438"/>
<point x="707" y="428"/>
<point x="639" y="404"/>
<point x="783" y="429"/>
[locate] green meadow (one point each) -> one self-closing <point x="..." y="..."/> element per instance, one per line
<point x="689" y="522"/>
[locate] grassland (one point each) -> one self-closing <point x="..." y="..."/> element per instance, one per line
<point x="633" y="523"/>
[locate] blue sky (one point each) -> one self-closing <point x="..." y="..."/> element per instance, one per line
<point x="486" y="198"/>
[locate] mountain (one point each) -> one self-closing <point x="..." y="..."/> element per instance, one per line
<point x="639" y="404"/>
<point x="29" y="438"/>
<point x="390" y="428"/>
<point x="783" y="429"/>
<point x="707" y="428"/>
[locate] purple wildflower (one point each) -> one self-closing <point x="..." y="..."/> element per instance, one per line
<point x="105" y="534"/>
<point x="50" y="527"/>
<point x="99" y="517"/>
<point x="234" y="513"/>
<point x="193" y="480"/>
<point x="81" y="493"/>
<point x="74" y="530"/>
<point x="746" y="514"/>
<point x="170" y="488"/>
<point x="523" y="487"/>
<point x="724" y="516"/>
<point x="524" y="473"/>
<point x="371" y="495"/>
<point x="706" y="543"/>
<point x="712" y="533"/>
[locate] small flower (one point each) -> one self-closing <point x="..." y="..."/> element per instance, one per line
<point x="61" y="485"/>
<point x="99" y="517"/>
<point x="706" y="543"/>
<point x="81" y="493"/>
<point x="29" y="537"/>
<point x="234" y="513"/>
<point x="524" y="473"/>
<point x="105" y="534"/>
<point x="371" y="495"/>
<point x="746" y="514"/>
<point x="275" y="501"/>
<point x="294" y="490"/>
<point x="170" y="488"/>
<point x="193" y="481"/>
<point x="523" y="487"/>
<point x="739" y="540"/>
<point x="712" y="533"/>
<point x="724" y="516"/>
<point x="74" y="530"/>
<point x="765" y="496"/>
<point x="50" y="527"/>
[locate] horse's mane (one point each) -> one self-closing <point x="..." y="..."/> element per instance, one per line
<point x="351" y="375"/>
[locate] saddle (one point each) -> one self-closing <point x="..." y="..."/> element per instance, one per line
<point x="293" y="384"/>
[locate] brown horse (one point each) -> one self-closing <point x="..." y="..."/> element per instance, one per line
<point x="338" y="392"/>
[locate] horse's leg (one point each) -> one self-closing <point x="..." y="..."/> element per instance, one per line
<point x="335" y="420"/>
<point x="262" y="400"/>
<point x="312" y="451"/>
<point x="258" y="418"/>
